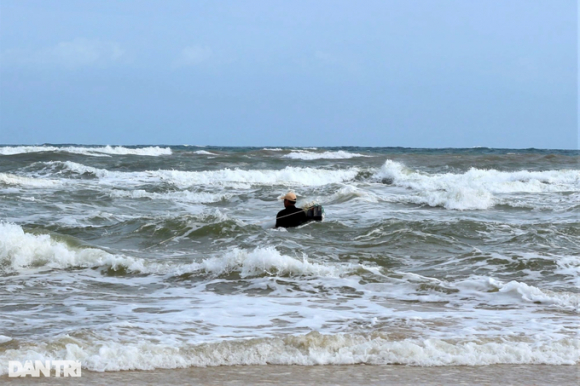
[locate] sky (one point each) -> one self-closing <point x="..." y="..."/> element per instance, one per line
<point x="410" y="73"/>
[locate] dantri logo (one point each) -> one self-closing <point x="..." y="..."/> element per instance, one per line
<point x="61" y="368"/>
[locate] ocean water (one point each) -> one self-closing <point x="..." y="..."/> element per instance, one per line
<point x="140" y="258"/>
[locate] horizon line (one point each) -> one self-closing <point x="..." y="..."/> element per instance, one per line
<point x="290" y="146"/>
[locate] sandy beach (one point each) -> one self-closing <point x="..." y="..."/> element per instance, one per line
<point x="325" y="375"/>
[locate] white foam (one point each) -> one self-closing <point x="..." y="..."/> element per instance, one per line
<point x="476" y="188"/>
<point x="306" y="155"/>
<point x="272" y="149"/>
<point x="203" y="152"/>
<point x="12" y="179"/>
<point x="92" y="151"/>
<point x="456" y="197"/>
<point x="105" y="354"/>
<point x="4" y="339"/>
<point x="289" y="176"/>
<point x="11" y="150"/>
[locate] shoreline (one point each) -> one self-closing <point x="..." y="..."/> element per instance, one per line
<point x="325" y="375"/>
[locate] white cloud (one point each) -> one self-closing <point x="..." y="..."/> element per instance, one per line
<point x="72" y="54"/>
<point x="192" y="55"/>
<point x="325" y="61"/>
<point x="325" y="57"/>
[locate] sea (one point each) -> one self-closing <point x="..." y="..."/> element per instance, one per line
<point x="166" y="257"/>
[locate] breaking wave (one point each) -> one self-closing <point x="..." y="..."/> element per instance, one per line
<point x="97" y="352"/>
<point x="20" y="250"/>
<point x="263" y="261"/>
<point x="520" y="292"/>
<point x="476" y="188"/>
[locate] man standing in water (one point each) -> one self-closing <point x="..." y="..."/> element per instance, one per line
<point x="291" y="216"/>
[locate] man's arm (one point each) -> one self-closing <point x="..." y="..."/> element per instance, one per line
<point x="277" y="217"/>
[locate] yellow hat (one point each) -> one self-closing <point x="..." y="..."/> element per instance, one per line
<point x="290" y="196"/>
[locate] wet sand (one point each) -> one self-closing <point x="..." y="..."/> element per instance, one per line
<point x="325" y="375"/>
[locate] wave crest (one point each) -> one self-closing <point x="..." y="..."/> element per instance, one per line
<point x="308" y="156"/>
<point x="264" y="261"/>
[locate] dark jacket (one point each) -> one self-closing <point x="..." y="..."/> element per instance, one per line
<point x="290" y="217"/>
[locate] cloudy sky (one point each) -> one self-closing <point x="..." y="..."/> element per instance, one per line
<point x="413" y="73"/>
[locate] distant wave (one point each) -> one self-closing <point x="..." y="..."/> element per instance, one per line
<point x="92" y="151"/>
<point x="12" y="179"/>
<point x="289" y="176"/>
<point x="203" y="152"/>
<point x="180" y="196"/>
<point x="307" y="155"/>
